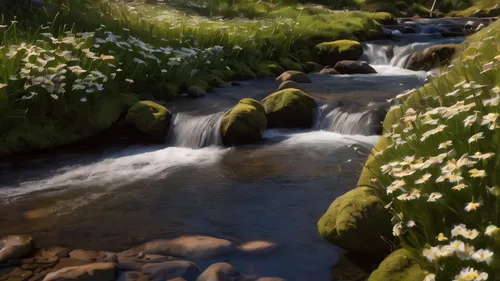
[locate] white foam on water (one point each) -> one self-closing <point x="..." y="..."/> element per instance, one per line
<point x="390" y="70"/>
<point x="121" y="170"/>
<point x="320" y="137"/>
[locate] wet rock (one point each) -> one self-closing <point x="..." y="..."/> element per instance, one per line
<point x="243" y="124"/>
<point x="354" y="67"/>
<point x="89" y="272"/>
<point x="124" y="263"/>
<point x="329" y="70"/>
<point x="295" y="76"/>
<point x="36" y="277"/>
<point x="258" y="247"/>
<point x="399" y="265"/>
<point x="192" y="247"/>
<point x="84" y="255"/>
<point x="19" y="274"/>
<point x="48" y="261"/>
<point x="150" y="120"/>
<point x="453" y="32"/>
<point x="313" y="66"/>
<point x="289" y="108"/>
<point x="28" y="261"/>
<point x="329" y="53"/>
<point x="177" y="279"/>
<point x="432" y="57"/>
<point x="290" y="85"/>
<point x="132" y="276"/>
<point x="219" y="272"/>
<point x="196" y="92"/>
<point x="171" y="269"/>
<point x="68" y="262"/>
<point x="270" y="279"/>
<point x="357" y="221"/>
<point x="30" y="267"/>
<point x="106" y="256"/>
<point x="15" y="246"/>
<point x="408" y="30"/>
<point x="60" y="252"/>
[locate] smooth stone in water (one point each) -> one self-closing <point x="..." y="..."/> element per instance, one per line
<point x="289" y="108"/>
<point x="171" y="269"/>
<point x="59" y="252"/>
<point x="354" y="67"/>
<point x="20" y="275"/>
<point x="84" y="255"/>
<point x="132" y="276"/>
<point x="329" y="70"/>
<point x="106" y="256"/>
<point x="295" y="76"/>
<point x="69" y="262"/>
<point x="90" y="272"/>
<point x="219" y="272"/>
<point x="192" y="247"/>
<point x="258" y="247"/>
<point x="15" y="246"/>
<point x="289" y="85"/>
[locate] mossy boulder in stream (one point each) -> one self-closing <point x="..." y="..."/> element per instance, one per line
<point x="432" y="57"/>
<point x="289" y="108"/>
<point x="149" y="118"/>
<point x="357" y="221"/>
<point x="243" y="124"/>
<point x="399" y="265"/>
<point x="295" y="76"/>
<point x="329" y="53"/>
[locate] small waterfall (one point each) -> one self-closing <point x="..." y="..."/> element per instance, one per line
<point x="195" y="131"/>
<point x="349" y="120"/>
<point x="392" y="55"/>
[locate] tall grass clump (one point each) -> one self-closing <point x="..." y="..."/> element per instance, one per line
<point x="439" y="171"/>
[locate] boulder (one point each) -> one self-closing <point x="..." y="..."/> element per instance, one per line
<point x="59" y="252"/>
<point x="132" y="276"/>
<point x="192" y="247"/>
<point x="354" y="67"/>
<point x="84" y="255"/>
<point x="289" y="108"/>
<point x="19" y="274"/>
<point x="196" y="92"/>
<point x="258" y="247"/>
<point x="357" y="221"/>
<point x="329" y="70"/>
<point x="329" y="53"/>
<point x="171" y="269"/>
<point x="295" y="76"/>
<point x="384" y="18"/>
<point x="432" y="57"/>
<point x="313" y="66"/>
<point x="399" y="265"/>
<point x="408" y="30"/>
<point x="15" y="246"/>
<point x="149" y="118"/>
<point x="219" y="272"/>
<point x="89" y="272"/>
<point x="290" y="85"/>
<point x="245" y="123"/>
<point x="68" y="262"/>
<point x="454" y="31"/>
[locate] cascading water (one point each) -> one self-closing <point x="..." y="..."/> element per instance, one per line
<point x="195" y="131"/>
<point x="393" y="55"/>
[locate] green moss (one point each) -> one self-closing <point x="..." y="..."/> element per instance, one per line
<point x="399" y="265"/>
<point x="289" y="108"/>
<point x="149" y="118"/>
<point x="289" y="64"/>
<point x="357" y="221"/>
<point x="243" y="124"/>
<point x="329" y="53"/>
<point x="384" y="18"/>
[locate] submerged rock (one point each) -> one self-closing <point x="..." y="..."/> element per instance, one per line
<point x="329" y="53"/>
<point x="357" y="221"/>
<point x="149" y="118"/>
<point x="171" y="269"/>
<point x="432" y="57"/>
<point x="289" y="85"/>
<point x="295" y="76"/>
<point x="290" y="108"/>
<point x="15" y="246"/>
<point x="399" y="265"/>
<point x="258" y="247"/>
<point x="354" y="67"/>
<point x="192" y="247"/>
<point x="219" y="272"/>
<point x="245" y="123"/>
<point x="84" y="255"/>
<point x="329" y="70"/>
<point x="89" y="272"/>
<point x="313" y="66"/>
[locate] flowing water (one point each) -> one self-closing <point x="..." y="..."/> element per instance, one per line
<point x="111" y="198"/>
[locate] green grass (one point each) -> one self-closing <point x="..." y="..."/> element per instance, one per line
<point x="438" y="169"/>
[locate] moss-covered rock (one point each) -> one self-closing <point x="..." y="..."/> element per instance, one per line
<point x="243" y="124"/>
<point x="295" y="76"/>
<point x="429" y="58"/>
<point x="329" y="53"/>
<point x="384" y="18"/>
<point x="399" y="265"/>
<point x="357" y="221"/>
<point x="149" y="118"/>
<point x="289" y="108"/>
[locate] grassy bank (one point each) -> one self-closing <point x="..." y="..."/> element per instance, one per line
<point x="71" y="69"/>
<point x="437" y="166"/>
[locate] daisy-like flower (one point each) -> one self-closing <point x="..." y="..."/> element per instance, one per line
<point x="84" y="99"/>
<point x="490" y="230"/>
<point x="483" y="256"/>
<point x="454" y="178"/>
<point x="459" y="187"/>
<point x="470" y="274"/>
<point x="470" y="234"/>
<point x="2" y="85"/>
<point x="476" y="137"/>
<point x="430" y="277"/>
<point x="434" y="196"/>
<point x="129" y="80"/>
<point x="490" y="120"/>
<point x="472" y="206"/>
<point x="411" y="224"/>
<point x="457" y="245"/>
<point x="482" y="156"/>
<point x="54" y="96"/>
<point x="470" y="120"/>
<point x="396" y="229"/>
<point x="441" y="237"/>
<point x="467" y="253"/>
<point x="431" y="253"/>
<point x="423" y="179"/>
<point x="445" y="144"/>
<point x="458" y="230"/>
<point x="395" y="185"/>
<point x="493" y="101"/>
<point x="475" y="173"/>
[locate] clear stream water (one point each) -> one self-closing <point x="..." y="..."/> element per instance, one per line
<point x="117" y="197"/>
